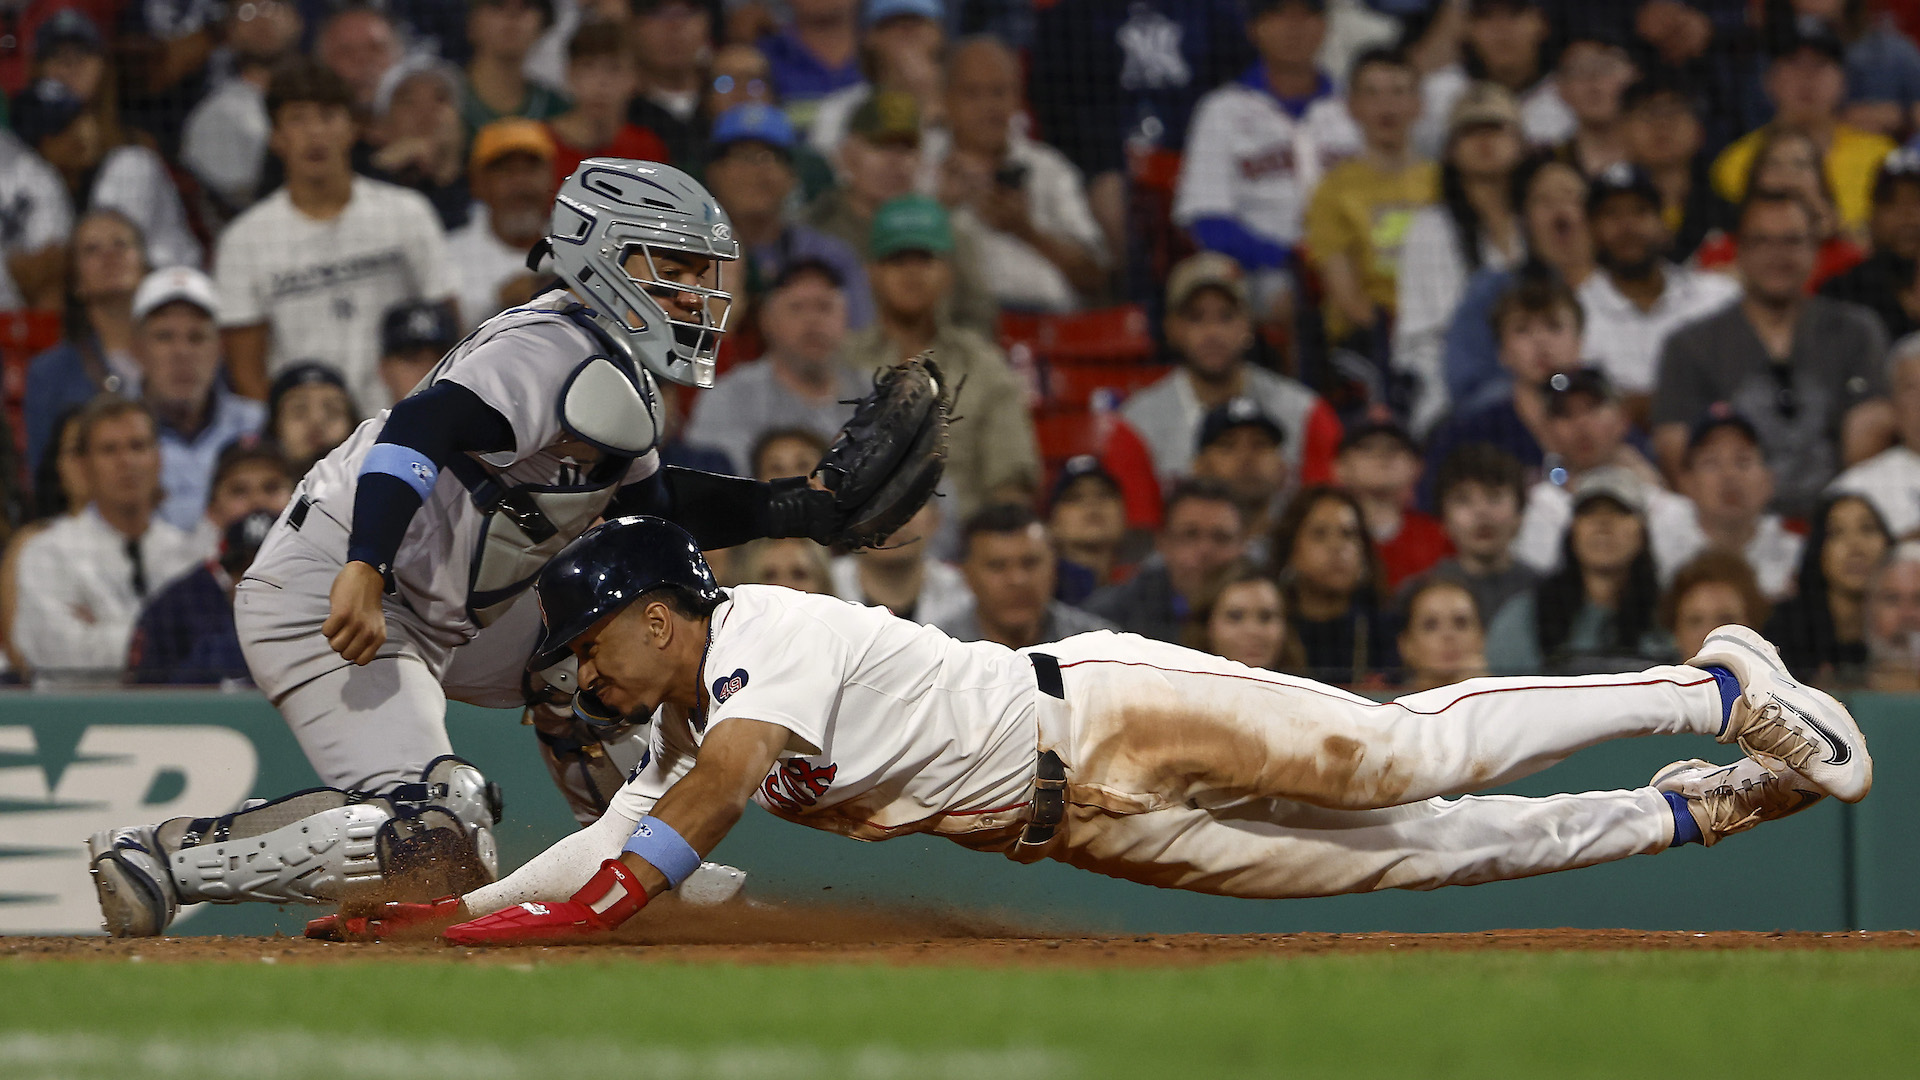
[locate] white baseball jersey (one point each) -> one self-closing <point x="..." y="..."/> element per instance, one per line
<point x="1625" y="341"/>
<point x="896" y="727"/>
<point x="1248" y="159"/>
<point x="34" y="210"/>
<point x="518" y="363"/>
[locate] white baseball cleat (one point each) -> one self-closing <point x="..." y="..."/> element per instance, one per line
<point x="136" y="892"/>
<point x="1782" y="722"/>
<point x="1727" y="799"/>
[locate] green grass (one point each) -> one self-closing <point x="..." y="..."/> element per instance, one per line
<point x="1465" y="1014"/>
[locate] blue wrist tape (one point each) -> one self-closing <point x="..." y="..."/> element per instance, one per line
<point x="664" y="850"/>
<point x="410" y="466"/>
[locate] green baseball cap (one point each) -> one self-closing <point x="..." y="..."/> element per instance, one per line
<point x="910" y="223"/>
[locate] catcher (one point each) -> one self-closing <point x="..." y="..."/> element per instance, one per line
<point x="399" y="575"/>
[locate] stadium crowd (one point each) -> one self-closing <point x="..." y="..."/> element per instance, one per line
<point x="1389" y="342"/>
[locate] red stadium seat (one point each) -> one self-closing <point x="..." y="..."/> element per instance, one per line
<point x="23" y="335"/>
<point x="1117" y="335"/>
<point x="1072" y="386"/>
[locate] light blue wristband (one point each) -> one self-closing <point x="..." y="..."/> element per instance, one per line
<point x="664" y="850"/>
<point x="406" y="464"/>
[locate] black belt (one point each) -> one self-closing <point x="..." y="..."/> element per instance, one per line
<point x="1048" y="806"/>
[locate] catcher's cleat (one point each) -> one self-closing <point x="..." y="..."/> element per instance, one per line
<point x="1727" y="799"/>
<point x="1780" y="721"/>
<point x="137" y="897"/>
<point x="611" y="898"/>
<point x="388" y="921"/>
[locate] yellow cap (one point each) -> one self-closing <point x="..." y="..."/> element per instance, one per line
<point x="515" y="135"/>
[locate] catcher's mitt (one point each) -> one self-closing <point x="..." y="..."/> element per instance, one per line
<point x="888" y="459"/>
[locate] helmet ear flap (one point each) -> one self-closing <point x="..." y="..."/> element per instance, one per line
<point x="542" y="248"/>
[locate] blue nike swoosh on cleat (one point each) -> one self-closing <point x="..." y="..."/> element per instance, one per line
<point x="1842" y="753"/>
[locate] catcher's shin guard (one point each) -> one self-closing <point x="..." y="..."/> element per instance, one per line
<point x="440" y="840"/>
<point x="311" y="847"/>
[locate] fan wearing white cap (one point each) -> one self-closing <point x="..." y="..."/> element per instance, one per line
<point x="176" y="339"/>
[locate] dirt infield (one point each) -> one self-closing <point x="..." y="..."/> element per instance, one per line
<point x="755" y="933"/>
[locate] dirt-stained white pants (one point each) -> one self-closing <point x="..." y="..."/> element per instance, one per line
<point x="1188" y="771"/>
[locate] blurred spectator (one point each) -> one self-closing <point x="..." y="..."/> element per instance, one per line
<point x="1884" y="281"/>
<point x="163" y="52"/>
<point x="784" y="452"/>
<point x="310" y="270"/>
<point x="799" y="383"/>
<point x="1240" y="448"/>
<point x="1637" y="297"/>
<point x="1242" y="618"/>
<point x="185" y="635"/>
<point x="1821" y="632"/>
<point x="33" y="255"/>
<point x="502" y="32"/>
<point x="816" y="53"/>
<point x="359" y="43"/>
<point x="1664" y="136"/>
<point x="224" y="143"/>
<point x="904" y="577"/>
<point x="1330" y="576"/>
<point x="1726" y="486"/>
<point x="420" y="141"/>
<point x="902" y="42"/>
<point x="1008" y="562"/>
<point x="1476" y="226"/>
<point x="106" y="265"/>
<point x="1808" y="371"/>
<point x="1087" y="517"/>
<point x="1038" y="234"/>
<point x="1788" y="162"/>
<point x="81" y="581"/>
<point x="1714" y="589"/>
<point x="1259" y="145"/>
<point x="1588" y="429"/>
<point x="177" y="341"/>
<point x="1360" y="213"/>
<point x="309" y="412"/>
<point x="1596" y="612"/>
<point x="1883" y="66"/>
<point x="1204" y="533"/>
<point x="602" y="81"/>
<point x="250" y="476"/>
<point x="59" y="490"/>
<point x="1891" y="478"/>
<point x="100" y="169"/>
<point x="1209" y="330"/>
<point x="1893" y="622"/>
<point x="1553" y="213"/>
<point x="673" y="446"/>
<point x="1379" y="465"/>
<point x="413" y="338"/>
<point x="547" y="61"/>
<point x="751" y="174"/>
<point x="1505" y="44"/>
<point x="993" y="456"/>
<point x="671" y="40"/>
<point x="794" y="561"/>
<point x="511" y="171"/>
<point x="1704" y="43"/>
<point x="1592" y="75"/>
<point x="879" y="160"/>
<point x="1443" y="638"/>
<point x="740" y="76"/>
<point x="1482" y="493"/>
<point x="1805" y="82"/>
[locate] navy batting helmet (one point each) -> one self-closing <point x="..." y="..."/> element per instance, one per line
<point x="610" y="566"/>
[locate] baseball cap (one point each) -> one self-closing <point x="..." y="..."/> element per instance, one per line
<point x="305" y="373"/>
<point x="1078" y="468"/>
<point x="752" y="122"/>
<point x="1621" y="178"/>
<point x="406" y="71"/>
<point x="67" y="27"/>
<point x="910" y="223"/>
<point x="1900" y="166"/>
<point x="241" y="541"/>
<point x="1806" y="32"/>
<point x="1364" y="429"/>
<point x="1611" y="482"/>
<point x="1720" y="416"/>
<point x="417" y="324"/>
<point x="1234" y="414"/>
<point x="1591" y="381"/>
<point x="514" y="135"/>
<point x="889" y="116"/>
<point x="44" y="110"/>
<point x="882" y="10"/>
<point x="171" y="283"/>
<point x="1206" y="270"/>
<point x="1483" y="104"/>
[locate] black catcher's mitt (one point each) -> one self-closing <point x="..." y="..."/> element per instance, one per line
<point x="888" y="459"/>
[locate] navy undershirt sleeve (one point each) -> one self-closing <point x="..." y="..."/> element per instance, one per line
<point x="718" y="511"/>
<point x="437" y="423"/>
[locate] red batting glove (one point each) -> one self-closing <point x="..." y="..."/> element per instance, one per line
<point x="386" y="921"/>
<point x="610" y="899"/>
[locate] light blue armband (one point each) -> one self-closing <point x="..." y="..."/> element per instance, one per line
<point x="664" y="850"/>
<point x="410" y="466"/>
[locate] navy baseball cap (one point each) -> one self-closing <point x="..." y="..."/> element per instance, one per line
<point x="417" y="324"/>
<point x="753" y="122"/>
<point x="1078" y="468"/>
<point x="1720" y="416"/>
<point x="67" y="28"/>
<point x="1806" y="32"/>
<point x="1590" y="381"/>
<point x="1621" y="178"/>
<point x="44" y="110"/>
<point x="1366" y="429"/>
<point x="1238" y="413"/>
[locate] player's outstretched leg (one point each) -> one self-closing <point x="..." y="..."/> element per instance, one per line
<point x="1780" y="721"/>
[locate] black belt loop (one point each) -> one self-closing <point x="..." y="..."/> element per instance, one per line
<point x="1048" y="807"/>
<point x="298" y="515"/>
<point x="1046" y="673"/>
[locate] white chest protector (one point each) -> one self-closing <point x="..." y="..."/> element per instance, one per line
<point x="607" y="410"/>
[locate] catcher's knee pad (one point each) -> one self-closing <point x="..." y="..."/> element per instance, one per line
<point x="440" y="839"/>
<point x="312" y="847"/>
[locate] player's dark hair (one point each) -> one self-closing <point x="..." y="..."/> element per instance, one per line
<point x="1390" y="56"/>
<point x="768" y="438"/>
<point x="1559" y="598"/>
<point x="1483" y="464"/>
<point x="1712" y="567"/>
<point x="1537" y="289"/>
<point x="301" y="80"/>
<point x="1000" y="518"/>
<point x="1198" y="488"/>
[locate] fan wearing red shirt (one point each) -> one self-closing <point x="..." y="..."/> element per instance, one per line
<point x="1379" y="463"/>
<point x="602" y="79"/>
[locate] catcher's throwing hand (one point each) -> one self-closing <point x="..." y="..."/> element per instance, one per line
<point x="356" y="625"/>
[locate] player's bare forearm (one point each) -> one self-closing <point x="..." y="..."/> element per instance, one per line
<point x="703" y="805"/>
<point x="356" y="623"/>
